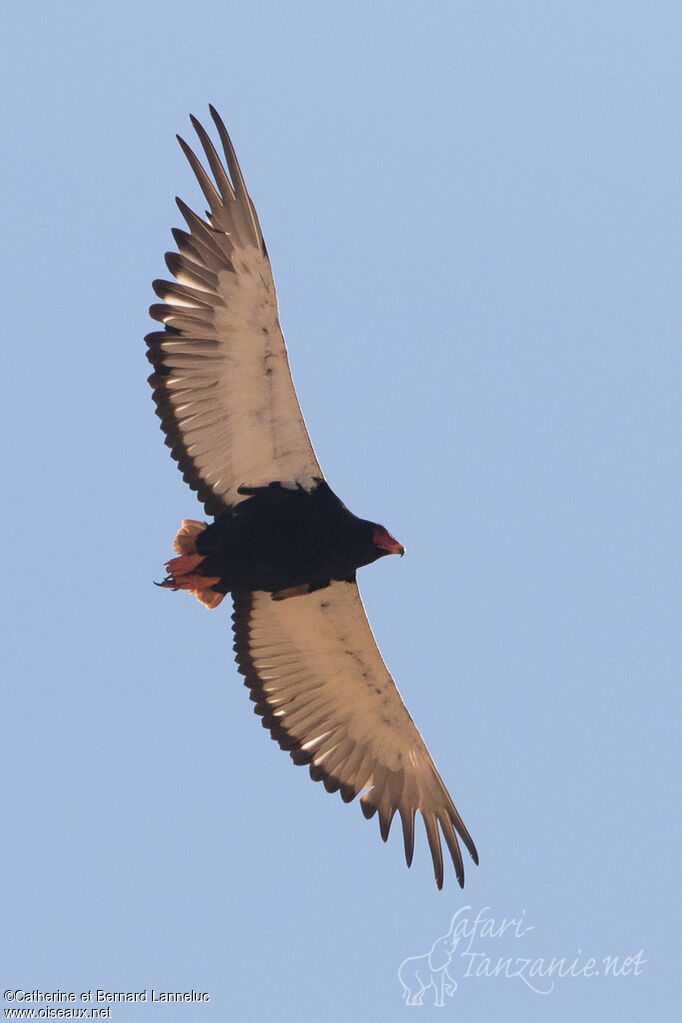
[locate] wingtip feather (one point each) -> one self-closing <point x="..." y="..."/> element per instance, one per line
<point x="430" y="823"/>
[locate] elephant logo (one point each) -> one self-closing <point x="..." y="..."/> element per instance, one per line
<point x="418" y="973"/>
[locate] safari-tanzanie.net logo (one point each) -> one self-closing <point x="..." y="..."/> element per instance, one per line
<point x="483" y="947"/>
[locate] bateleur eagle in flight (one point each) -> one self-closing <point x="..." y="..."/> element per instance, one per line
<point x="281" y="543"/>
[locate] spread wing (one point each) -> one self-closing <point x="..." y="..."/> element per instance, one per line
<point x="319" y="682"/>
<point x="222" y="383"/>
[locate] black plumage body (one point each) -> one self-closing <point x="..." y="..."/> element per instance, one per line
<point x="282" y="537"/>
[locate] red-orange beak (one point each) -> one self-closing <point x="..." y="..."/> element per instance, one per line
<point x="382" y="538"/>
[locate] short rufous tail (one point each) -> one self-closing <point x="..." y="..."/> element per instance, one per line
<point x="184" y="572"/>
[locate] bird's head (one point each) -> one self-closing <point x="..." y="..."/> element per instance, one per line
<point x="386" y="543"/>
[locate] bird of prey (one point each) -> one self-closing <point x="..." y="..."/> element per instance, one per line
<point x="281" y="542"/>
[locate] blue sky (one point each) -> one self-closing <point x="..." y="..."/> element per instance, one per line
<point x="473" y="215"/>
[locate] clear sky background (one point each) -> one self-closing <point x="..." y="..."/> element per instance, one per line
<point x="473" y="214"/>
